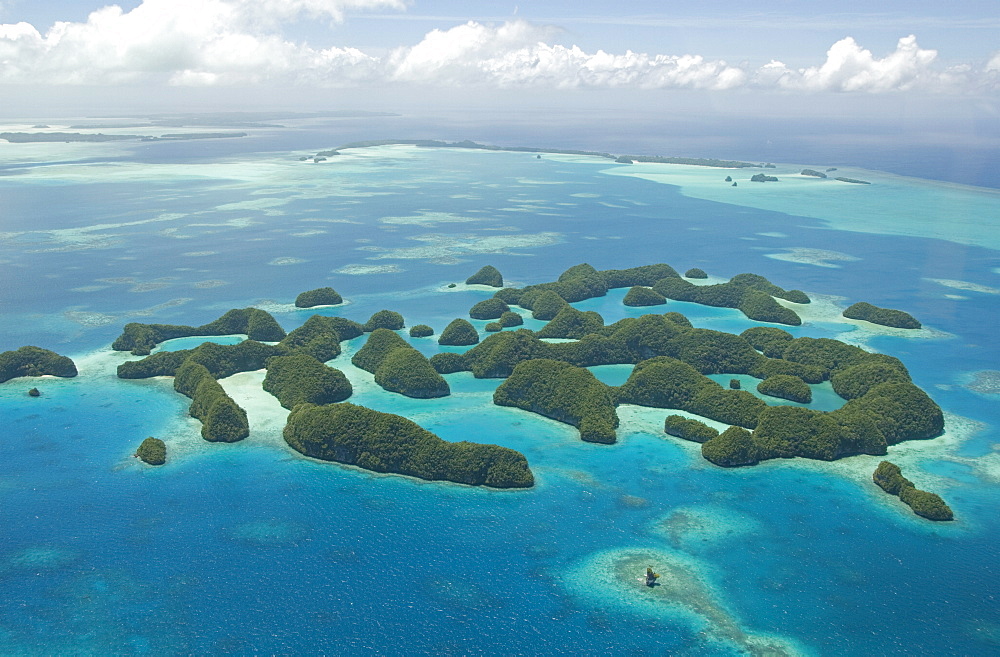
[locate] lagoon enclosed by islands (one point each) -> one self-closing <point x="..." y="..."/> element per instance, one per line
<point x="250" y="547"/>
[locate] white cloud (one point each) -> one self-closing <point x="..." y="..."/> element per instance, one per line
<point x="849" y="67"/>
<point x="230" y="42"/>
<point x="515" y="55"/>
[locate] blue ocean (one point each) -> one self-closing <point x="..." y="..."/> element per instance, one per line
<point x="249" y="548"/>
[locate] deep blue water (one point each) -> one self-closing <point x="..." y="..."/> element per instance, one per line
<point x="248" y="549"/>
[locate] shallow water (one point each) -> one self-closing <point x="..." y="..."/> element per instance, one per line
<point x="249" y="548"/>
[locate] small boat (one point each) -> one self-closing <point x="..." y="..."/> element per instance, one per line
<point x="651" y="577"/>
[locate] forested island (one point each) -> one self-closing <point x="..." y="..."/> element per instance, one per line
<point x="889" y="478"/>
<point x="34" y="361"/>
<point x="671" y="359"/>
<point x="883" y="316"/>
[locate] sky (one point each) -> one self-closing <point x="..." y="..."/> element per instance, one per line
<point x="936" y="56"/>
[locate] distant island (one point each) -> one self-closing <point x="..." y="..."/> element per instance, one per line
<point x="621" y="159"/>
<point x="69" y="137"/>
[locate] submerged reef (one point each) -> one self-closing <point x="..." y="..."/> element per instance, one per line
<point x="882" y="316"/>
<point x="890" y="478"/>
<point x="152" y="451"/>
<point x="384" y="442"/>
<point x="323" y="296"/>
<point x="34" y="361"/>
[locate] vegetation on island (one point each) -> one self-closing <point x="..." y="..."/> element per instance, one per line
<point x="222" y="420"/>
<point x="301" y="379"/>
<point x="34" y="392"/>
<point x="322" y="296"/>
<point x="152" y="451"/>
<point x="889" y="478"/>
<point x="751" y="294"/>
<point x="639" y="296"/>
<point x="571" y="323"/>
<point x="731" y="448"/>
<point x="695" y="272"/>
<point x="671" y="361"/>
<point x="421" y="331"/>
<point x="398" y="367"/>
<point x="34" y="361"/>
<point x="546" y="305"/>
<point x="383" y="442"/>
<point x="562" y="392"/>
<point x="760" y="177"/>
<point x="488" y="275"/>
<point x="852" y="180"/>
<point x="256" y="324"/>
<point x="459" y="333"/>
<point x="813" y="173"/>
<point x="493" y="327"/>
<point x="491" y="308"/>
<point x="883" y="316"/>
<point x="786" y="386"/>
<point x="510" y="318"/>
<point x="386" y="319"/>
<point x="688" y="429"/>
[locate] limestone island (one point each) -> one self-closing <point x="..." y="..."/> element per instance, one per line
<point x="488" y="275"/>
<point x="813" y="173"/>
<point x="152" y="451"/>
<point x="383" y="442"/>
<point x="672" y="362"/>
<point x="852" y="180"/>
<point x="890" y="478"/>
<point x="34" y="361"/>
<point x="882" y="316"/>
<point x="323" y="296"/>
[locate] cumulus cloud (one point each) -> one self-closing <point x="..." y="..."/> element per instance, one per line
<point x="849" y="67"/>
<point x="515" y="55"/>
<point x="227" y="42"/>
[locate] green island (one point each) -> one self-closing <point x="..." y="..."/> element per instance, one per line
<point x="814" y="173"/>
<point x="323" y="296"/>
<point x="256" y="324"/>
<point x="398" y="367"/>
<point x="459" y="333"/>
<point x="487" y="275"/>
<point x="387" y="319"/>
<point x="889" y="478"/>
<point x="492" y="308"/>
<point x="760" y="177"/>
<point x="638" y="296"/>
<point x="671" y="360"/>
<point x="688" y="429"/>
<point x="34" y="361"/>
<point x="695" y="272"/>
<point x="152" y="451"/>
<point x="383" y="442"/>
<point x="852" y="180"/>
<point x="301" y="379"/>
<point x="421" y="331"/>
<point x="786" y="386"/>
<point x="753" y="295"/>
<point x="883" y="316"/>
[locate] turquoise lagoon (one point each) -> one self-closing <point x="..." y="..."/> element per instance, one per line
<point x="250" y="549"/>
